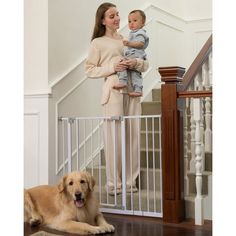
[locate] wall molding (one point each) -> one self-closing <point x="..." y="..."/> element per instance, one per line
<point x="34" y="96"/>
<point x="202" y="31"/>
<point x="186" y="20"/>
<point x="31" y="113"/>
<point x="153" y="6"/>
<point x="198" y="20"/>
<point x="169" y="26"/>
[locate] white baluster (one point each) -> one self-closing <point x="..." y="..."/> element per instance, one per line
<point x="210" y="68"/>
<point x="186" y="161"/>
<point x="203" y="79"/>
<point x="192" y="127"/>
<point x="199" y="219"/>
<point x="208" y="131"/>
<point x="199" y="79"/>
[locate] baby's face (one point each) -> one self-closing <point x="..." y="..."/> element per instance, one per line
<point x="135" y="21"/>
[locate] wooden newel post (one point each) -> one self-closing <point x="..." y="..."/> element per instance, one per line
<point x="172" y="145"/>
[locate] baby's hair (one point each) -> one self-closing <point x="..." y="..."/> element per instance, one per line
<point x="141" y="13"/>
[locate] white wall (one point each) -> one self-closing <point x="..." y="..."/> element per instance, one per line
<point x="200" y="9"/>
<point x="36" y="46"/>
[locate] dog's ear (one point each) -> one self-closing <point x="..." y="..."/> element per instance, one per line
<point x="90" y="179"/>
<point x="61" y="185"/>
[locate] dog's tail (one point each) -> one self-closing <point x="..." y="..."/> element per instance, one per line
<point x="34" y="217"/>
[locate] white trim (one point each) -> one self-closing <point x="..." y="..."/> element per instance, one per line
<point x="183" y="19"/>
<point x="167" y="13"/>
<point x="170" y="26"/>
<point x="202" y="31"/>
<point x="37" y="95"/>
<point x="31" y="113"/>
<point x="197" y="20"/>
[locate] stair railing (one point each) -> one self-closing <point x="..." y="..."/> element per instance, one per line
<point x="177" y="94"/>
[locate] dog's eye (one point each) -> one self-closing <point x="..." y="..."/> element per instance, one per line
<point x="71" y="183"/>
<point x="82" y="181"/>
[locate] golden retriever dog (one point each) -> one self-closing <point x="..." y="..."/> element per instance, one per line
<point x="70" y="206"/>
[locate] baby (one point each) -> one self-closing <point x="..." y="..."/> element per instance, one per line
<point x="136" y="44"/>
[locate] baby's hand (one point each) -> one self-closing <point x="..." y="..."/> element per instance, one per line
<point x="125" y="42"/>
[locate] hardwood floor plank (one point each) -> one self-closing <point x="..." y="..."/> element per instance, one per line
<point x="141" y="226"/>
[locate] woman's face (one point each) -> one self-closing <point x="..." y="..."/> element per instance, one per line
<point x="111" y="19"/>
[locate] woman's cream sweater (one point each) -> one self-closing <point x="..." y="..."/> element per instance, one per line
<point x="104" y="52"/>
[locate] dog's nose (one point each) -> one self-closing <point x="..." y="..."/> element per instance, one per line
<point x="78" y="196"/>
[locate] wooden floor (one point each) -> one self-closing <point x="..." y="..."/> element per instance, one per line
<point x="141" y="226"/>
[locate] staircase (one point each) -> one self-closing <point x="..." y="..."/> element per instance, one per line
<point x="153" y="108"/>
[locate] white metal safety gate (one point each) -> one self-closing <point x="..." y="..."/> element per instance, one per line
<point x="81" y="146"/>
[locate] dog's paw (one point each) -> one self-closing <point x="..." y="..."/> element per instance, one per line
<point x="96" y="230"/>
<point x="109" y="228"/>
<point x="36" y="220"/>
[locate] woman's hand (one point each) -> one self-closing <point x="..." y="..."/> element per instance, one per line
<point x="131" y="63"/>
<point x="121" y="66"/>
<point x="125" y="42"/>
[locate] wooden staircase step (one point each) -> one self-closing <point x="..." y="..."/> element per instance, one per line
<point x="156" y="95"/>
<point x="149" y="125"/>
<point x="151" y="108"/>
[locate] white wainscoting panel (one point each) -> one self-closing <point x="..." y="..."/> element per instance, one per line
<point x="31" y="149"/>
<point x="36" y="140"/>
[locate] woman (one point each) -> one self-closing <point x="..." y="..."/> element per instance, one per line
<point x="103" y="61"/>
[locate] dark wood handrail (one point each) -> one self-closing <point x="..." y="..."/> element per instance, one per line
<point x="197" y="64"/>
<point x="194" y="94"/>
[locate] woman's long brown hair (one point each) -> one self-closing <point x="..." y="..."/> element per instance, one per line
<point x="100" y="29"/>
